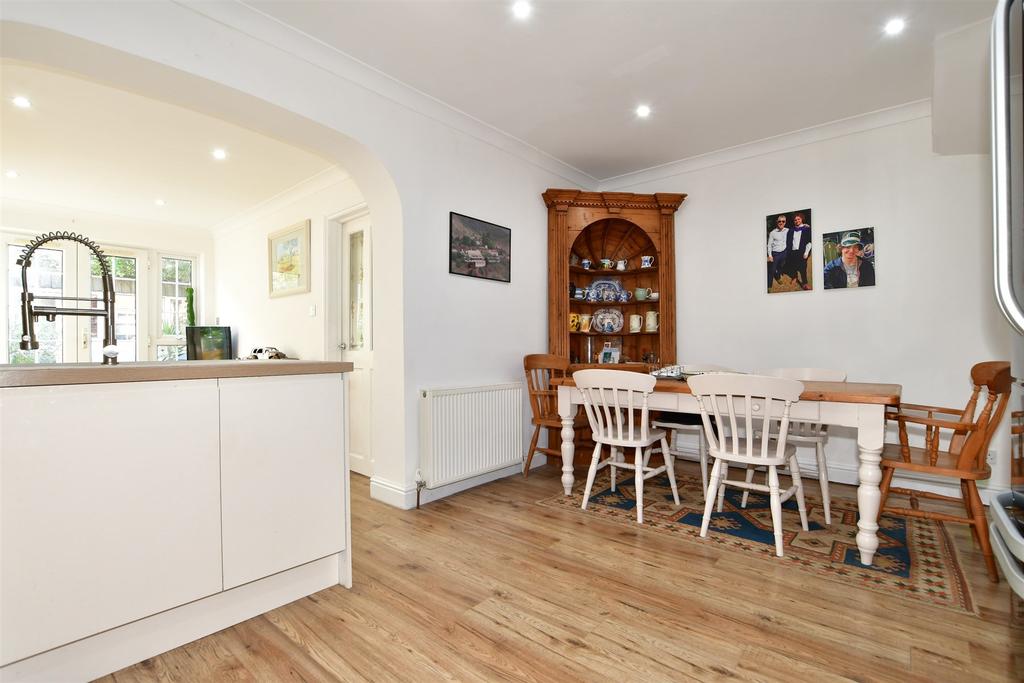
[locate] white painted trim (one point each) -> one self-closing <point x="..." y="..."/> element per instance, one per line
<point x="405" y="498"/>
<point x="106" y="652"/>
<point x="297" y="192"/>
<point x="903" y="113"/>
<point x="393" y="494"/>
<point x="260" y="26"/>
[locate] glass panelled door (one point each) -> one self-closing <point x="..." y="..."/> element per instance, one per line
<point x="52" y="274"/>
<point x="71" y="271"/>
<point x="356" y="337"/>
<point x="127" y="283"/>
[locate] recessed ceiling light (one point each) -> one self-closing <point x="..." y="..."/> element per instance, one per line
<point x="11" y="174"/>
<point x="522" y="9"/>
<point x="643" y="111"/>
<point x="894" y="27"/>
<point x="21" y="102"/>
<point x="220" y="154"/>
<point x="160" y="202"/>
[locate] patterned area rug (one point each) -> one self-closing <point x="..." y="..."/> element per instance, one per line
<point x="916" y="558"/>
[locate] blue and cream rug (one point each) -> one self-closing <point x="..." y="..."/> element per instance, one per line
<point x="916" y="558"/>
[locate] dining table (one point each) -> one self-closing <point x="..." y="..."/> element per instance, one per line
<point x="848" y="404"/>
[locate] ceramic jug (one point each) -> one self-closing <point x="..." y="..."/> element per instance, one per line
<point x="651" y="323"/>
<point x="635" y="322"/>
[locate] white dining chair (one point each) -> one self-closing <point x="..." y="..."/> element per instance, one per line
<point x="751" y="415"/>
<point x="616" y="405"/>
<point x="808" y="433"/>
<point x="688" y="423"/>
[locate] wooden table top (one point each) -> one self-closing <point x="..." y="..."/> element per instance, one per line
<point x="833" y="392"/>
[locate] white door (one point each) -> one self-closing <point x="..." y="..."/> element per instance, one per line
<point x="355" y="334"/>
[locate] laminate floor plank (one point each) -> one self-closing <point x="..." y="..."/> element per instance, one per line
<point x="487" y="585"/>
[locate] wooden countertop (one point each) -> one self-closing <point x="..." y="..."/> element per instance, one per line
<point x="833" y="392"/>
<point x="95" y="373"/>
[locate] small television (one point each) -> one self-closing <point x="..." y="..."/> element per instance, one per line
<point x="206" y="342"/>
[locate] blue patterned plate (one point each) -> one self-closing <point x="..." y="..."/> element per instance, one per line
<point x="608" y="320"/>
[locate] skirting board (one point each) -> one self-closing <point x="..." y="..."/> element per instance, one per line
<point x="405" y="498"/>
<point x="104" y="653"/>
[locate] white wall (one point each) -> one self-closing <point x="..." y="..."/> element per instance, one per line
<point x="242" y="300"/>
<point x="930" y="317"/>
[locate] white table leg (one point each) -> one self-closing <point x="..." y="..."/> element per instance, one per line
<point x="567" y="411"/>
<point x="568" y="452"/>
<point x="870" y="437"/>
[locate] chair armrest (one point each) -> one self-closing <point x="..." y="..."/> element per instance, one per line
<point x="931" y="422"/>
<point x="930" y="409"/>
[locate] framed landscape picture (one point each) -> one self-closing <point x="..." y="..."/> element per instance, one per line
<point x="479" y="249"/>
<point x="288" y="254"/>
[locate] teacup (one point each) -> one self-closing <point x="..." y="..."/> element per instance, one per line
<point x="593" y="295"/>
<point x="651" y="322"/>
<point x="625" y="295"/>
<point x="621" y="264"/>
<point x="580" y="294"/>
<point x="641" y="293"/>
<point x="635" y="322"/>
<point x="585" y="320"/>
<point x="646" y="261"/>
<point x="607" y="263"/>
<point x="653" y="296"/>
<point x="574" y="322"/>
<point x="586" y="263"/>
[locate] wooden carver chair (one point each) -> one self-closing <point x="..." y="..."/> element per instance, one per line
<point x="964" y="458"/>
<point x="540" y="369"/>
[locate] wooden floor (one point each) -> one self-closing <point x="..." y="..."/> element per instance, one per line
<point x="487" y="585"/>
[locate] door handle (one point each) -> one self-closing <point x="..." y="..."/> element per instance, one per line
<point x="342" y="346"/>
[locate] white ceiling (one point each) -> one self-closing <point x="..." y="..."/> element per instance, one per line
<point x="716" y="74"/>
<point x="90" y="147"/>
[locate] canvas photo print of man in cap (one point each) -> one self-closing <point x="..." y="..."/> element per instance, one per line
<point x="789" y="251"/>
<point x="849" y="258"/>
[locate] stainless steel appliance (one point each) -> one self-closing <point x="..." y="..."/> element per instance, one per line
<point x="1007" y="510"/>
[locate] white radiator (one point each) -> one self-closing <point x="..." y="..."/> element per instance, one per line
<point x="470" y="431"/>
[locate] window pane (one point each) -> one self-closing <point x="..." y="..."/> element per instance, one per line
<point x="170" y="352"/>
<point x="176" y="277"/>
<point x="357" y="303"/>
<point x="185" y="271"/>
<point x="125" y="310"/>
<point x="45" y="278"/>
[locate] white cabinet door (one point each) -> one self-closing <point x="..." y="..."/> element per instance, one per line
<point x="282" y="472"/>
<point x="109" y="507"/>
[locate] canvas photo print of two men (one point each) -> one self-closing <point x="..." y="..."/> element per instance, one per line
<point x="789" y="251"/>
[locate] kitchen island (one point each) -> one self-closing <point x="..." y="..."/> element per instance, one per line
<point x="145" y="505"/>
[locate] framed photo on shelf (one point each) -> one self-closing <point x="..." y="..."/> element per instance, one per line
<point x="479" y="249"/>
<point x="288" y="257"/>
<point x="610" y="353"/>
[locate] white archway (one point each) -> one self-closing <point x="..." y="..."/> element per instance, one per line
<point x="57" y="50"/>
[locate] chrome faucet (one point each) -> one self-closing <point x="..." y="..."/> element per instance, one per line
<point x="31" y="312"/>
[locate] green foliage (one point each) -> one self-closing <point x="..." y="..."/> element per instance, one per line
<point x="190" y="306"/>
